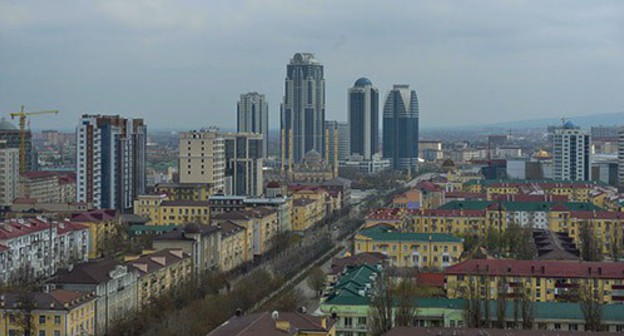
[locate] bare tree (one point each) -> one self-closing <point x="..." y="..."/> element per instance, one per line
<point x="501" y="302"/>
<point x="24" y="317"/>
<point x="316" y="280"/>
<point x="591" y="247"/>
<point x="486" y="301"/>
<point x="591" y="304"/>
<point x="405" y="293"/>
<point x="380" y="309"/>
<point x="528" y="307"/>
<point x="472" y="311"/>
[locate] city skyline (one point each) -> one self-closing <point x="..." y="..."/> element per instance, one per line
<point x="117" y="58"/>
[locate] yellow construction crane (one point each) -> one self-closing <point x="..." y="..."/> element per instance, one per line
<point x="22" y="126"/>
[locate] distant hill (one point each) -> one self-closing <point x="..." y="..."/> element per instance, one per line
<point x="586" y="121"/>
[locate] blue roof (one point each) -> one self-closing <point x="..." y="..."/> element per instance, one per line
<point x="569" y="125"/>
<point x="363" y="82"/>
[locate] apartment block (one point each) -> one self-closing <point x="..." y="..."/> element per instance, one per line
<point x="201" y="242"/>
<point x="160" y="272"/>
<point x="110" y="168"/>
<point x="202" y="158"/>
<point x="545" y="281"/>
<point x="162" y="211"/>
<point x="404" y="249"/>
<point x="58" y="312"/>
<point x="103" y="228"/>
<point x="9" y="174"/>
<point x="26" y="247"/>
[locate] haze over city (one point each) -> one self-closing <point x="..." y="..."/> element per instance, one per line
<point x="184" y="64"/>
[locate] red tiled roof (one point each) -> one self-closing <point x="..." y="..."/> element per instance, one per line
<point x="430" y="279"/>
<point x="19" y="227"/>
<point x="94" y="215"/>
<point x="545" y="268"/>
<point x="428" y="186"/>
<point x="450" y="213"/>
<point x="387" y="214"/>
<point x="596" y="215"/>
<point x="23" y="200"/>
<point x="530" y="198"/>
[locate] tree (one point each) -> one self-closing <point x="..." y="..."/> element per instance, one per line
<point x="24" y="317"/>
<point x="316" y="280"/>
<point x="405" y="293"/>
<point x="591" y="247"/>
<point x="289" y="301"/>
<point x="380" y="309"/>
<point x="501" y="303"/>
<point x="527" y="306"/>
<point x="591" y="304"/>
<point x="474" y="303"/>
<point x="520" y="241"/>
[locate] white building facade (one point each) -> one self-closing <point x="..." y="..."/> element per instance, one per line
<point x="37" y="247"/>
<point x="571" y="149"/>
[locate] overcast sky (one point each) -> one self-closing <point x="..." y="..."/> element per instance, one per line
<point x="183" y="64"/>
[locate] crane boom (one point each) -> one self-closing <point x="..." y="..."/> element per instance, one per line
<point x="22" y="125"/>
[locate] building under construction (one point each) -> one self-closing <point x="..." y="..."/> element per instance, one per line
<point x="11" y="134"/>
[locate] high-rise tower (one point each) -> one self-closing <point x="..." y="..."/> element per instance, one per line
<point x="110" y="168"/>
<point x="303" y="109"/>
<point x="363" y="118"/>
<point x="400" y="128"/>
<point x="571" y="153"/>
<point x="253" y="116"/>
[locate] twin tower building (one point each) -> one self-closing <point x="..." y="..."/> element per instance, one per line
<point x="303" y="127"/>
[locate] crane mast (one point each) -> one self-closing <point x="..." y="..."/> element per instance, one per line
<point x="22" y="126"/>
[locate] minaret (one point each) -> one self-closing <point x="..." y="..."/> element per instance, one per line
<point x="336" y="152"/>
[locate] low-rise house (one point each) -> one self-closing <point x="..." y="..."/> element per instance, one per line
<point x="543" y="280"/>
<point x="34" y="248"/>
<point x="406" y="249"/>
<point x="160" y="272"/>
<point x="59" y="312"/>
<point x="201" y="242"/>
<point x="114" y="285"/>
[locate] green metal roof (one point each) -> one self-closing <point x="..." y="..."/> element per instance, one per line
<point x="519" y="206"/>
<point x="382" y="233"/>
<point x="485" y="182"/>
<point x="543" y="310"/>
<point x="135" y="230"/>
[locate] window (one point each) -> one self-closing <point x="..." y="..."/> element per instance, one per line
<point x="57" y="319"/>
<point x="42" y="319"/>
<point x="57" y="333"/>
<point x="348" y="321"/>
<point x="42" y="333"/>
<point x="361" y="321"/>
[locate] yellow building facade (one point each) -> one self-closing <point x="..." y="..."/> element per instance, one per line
<point x="160" y="272"/>
<point x="103" y="226"/>
<point x="543" y="281"/>
<point x="234" y="250"/>
<point x="422" y="250"/>
<point x="57" y="313"/>
<point x="162" y="211"/>
<point x="185" y="191"/>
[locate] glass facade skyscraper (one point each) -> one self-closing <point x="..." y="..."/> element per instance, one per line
<point x="400" y="128"/>
<point x="303" y="108"/>
<point x="363" y="117"/>
<point x="253" y="116"/>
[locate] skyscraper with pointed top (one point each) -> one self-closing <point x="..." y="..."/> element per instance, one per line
<point x="400" y="128"/>
<point x="303" y="109"/>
